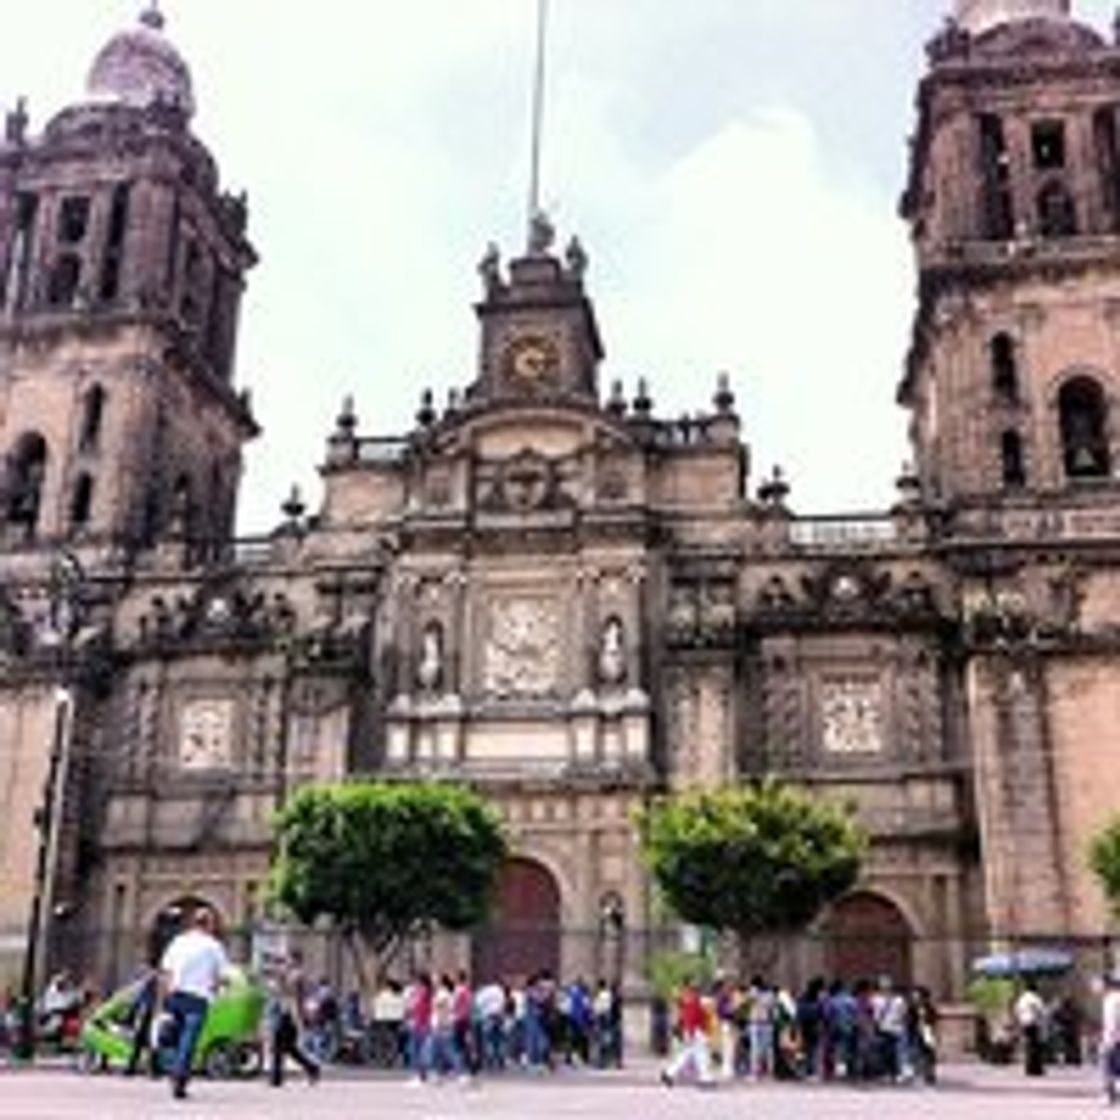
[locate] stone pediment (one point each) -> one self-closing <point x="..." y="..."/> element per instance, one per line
<point x="550" y="432"/>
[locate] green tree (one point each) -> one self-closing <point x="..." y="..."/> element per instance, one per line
<point x="385" y="861"/>
<point x="753" y="860"/>
<point x="1104" y="859"/>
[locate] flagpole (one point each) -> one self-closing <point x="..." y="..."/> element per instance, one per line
<point x="538" y="116"/>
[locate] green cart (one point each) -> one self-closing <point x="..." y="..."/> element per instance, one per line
<point x="228" y="1046"/>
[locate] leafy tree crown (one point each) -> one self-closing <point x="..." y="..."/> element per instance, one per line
<point x="751" y="860"/>
<point x="1104" y="859"/>
<point x="387" y="859"/>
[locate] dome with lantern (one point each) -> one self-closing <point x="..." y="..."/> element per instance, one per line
<point x="141" y="67"/>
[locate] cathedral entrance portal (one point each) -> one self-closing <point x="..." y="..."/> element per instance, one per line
<point x="522" y="935"/>
<point x="867" y="937"/>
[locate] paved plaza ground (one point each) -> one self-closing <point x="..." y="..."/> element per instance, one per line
<point x="966" y="1093"/>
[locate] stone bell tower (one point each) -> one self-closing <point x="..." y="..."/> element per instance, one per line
<point x="121" y="271"/>
<point x="1012" y="381"/>
<point x="1014" y="208"/>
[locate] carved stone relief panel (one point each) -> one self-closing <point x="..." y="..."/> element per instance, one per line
<point x="852" y="715"/>
<point x="522" y="653"/>
<point x="205" y="739"/>
<point x="700" y="726"/>
<point x="784" y="707"/>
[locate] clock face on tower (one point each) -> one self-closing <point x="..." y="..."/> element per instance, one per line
<point x="531" y="358"/>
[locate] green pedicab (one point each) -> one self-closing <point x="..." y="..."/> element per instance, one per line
<point x="228" y="1044"/>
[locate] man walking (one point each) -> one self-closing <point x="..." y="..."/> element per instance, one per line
<point x="1030" y="1015"/>
<point x="1110" y="1036"/>
<point x="194" y="966"/>
<point x="286" y="990"/>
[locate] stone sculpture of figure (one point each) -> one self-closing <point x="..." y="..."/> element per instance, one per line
<point x="429" y="670"/>
<point x="541" y="234"/>
<point x="490" y="269"/>
<point x="576" y="257"/>
<point x="15" y="124"/>
<point x="612" y="653"/>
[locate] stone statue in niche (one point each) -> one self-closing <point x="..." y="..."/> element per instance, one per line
<point x="612" y="652"/>
<point x="429" y="669"/>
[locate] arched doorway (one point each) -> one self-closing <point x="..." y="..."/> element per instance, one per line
<point x="172" y="919"/>
<point x="866" y="937"/>
<point x="522" y="935"/>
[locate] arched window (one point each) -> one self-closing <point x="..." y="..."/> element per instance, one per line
<point x="182" y="506"/>
<point x="81" y="502"/>
<point x="28" y="466"/>
<point x="1057" y="212"/>
<point x="93" y="412"/>
<point x="1011" y="458"/>
<point x="65" y="277"/>
<point x="1082" y="413"/>
<point x="1005" y="366"/>
<point x="190" y="305"/>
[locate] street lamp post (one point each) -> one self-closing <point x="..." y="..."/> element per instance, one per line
<point x="64" y="618"/>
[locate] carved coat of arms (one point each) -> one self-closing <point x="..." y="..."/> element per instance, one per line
<point x="522" y="651"/>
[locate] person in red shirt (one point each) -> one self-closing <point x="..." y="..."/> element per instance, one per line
<point x="693" y="1025"/>
<point x="418" y="1015"/>
<point x="462" y="1002"/>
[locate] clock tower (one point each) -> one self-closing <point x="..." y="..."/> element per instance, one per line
<point x="540" y="339"/>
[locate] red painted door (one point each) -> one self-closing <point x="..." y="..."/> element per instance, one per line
<point x="522" y="936"/>
<point x="868" y="937"/>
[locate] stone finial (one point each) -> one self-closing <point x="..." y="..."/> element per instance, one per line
<point x="542" y="233"/>
<point x="774" y="491"/>
<point x="15" y="124"/>
<point x="724" y="398"/>
<point x="490" y="269"/>
<point x="347" y="419"/>
<point x="293" y="507"/>
<point x="643" y="402"/>
<point x="616" y="402"/>
<point x="575" y="256"/>
<point x="908" y="484"/>
<point x="426" y="413"/>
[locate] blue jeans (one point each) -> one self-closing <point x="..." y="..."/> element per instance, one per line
<point x="189" y="1013"/>
<point x="419" y="1051"/>
<point x="446" y="1056"/>
<point x="761" y="1056"/>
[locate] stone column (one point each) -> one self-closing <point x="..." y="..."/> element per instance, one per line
<point x="1016" y="798"/>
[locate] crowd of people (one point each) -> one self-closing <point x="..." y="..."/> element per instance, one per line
<point x="56" y="1016"/>
<point x="440" y="1026"/>
<point x="861" y="1032"/>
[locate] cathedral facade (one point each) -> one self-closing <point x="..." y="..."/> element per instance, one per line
<point x="545" y="589"/>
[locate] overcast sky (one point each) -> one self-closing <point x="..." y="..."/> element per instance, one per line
<point x="731" y="166"/>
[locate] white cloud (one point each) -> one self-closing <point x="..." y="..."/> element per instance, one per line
<point x="761" y="263"/>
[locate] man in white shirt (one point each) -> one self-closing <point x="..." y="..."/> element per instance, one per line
<point x="194" y="966"/>
<point x="1110" y="1036"/>
<point x="1030" y="1015"/>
